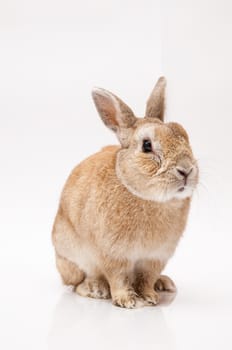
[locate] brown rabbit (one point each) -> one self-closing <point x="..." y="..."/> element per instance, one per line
<point x="124" y="209"/>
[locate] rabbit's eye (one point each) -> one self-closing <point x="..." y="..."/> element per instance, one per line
<point x="147" y="146"/>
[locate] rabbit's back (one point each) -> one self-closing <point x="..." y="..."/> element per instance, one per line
<point x="89" y="181"/>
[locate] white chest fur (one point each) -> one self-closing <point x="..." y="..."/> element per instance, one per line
<point x="161" y="252"/>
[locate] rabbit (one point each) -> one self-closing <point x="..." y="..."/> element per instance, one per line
<point x="123" y="210"/>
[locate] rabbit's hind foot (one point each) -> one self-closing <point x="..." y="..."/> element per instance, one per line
<point x="165" y="284"/>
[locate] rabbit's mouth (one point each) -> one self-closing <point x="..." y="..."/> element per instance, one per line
<point x="184" y="191"/>
<point x="181" y="189"/>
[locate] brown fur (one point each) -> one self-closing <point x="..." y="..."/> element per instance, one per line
<point x="121" y="215"/>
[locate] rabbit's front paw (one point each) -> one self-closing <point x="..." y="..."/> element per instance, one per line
<point x="125" y="298"/>
<point x="94" y="288"/>
<point x="165" y="284"/>
<point x="150" y="297"/>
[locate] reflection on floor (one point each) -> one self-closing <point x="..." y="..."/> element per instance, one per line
<point x="97" y="323"/>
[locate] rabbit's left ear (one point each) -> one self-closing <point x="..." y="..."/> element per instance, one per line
<point x="115" y="114"/>
<point x="156" y="102"/>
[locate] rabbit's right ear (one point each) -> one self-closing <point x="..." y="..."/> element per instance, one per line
<point x="156" y="102"/>
<point x="115" y="114"/>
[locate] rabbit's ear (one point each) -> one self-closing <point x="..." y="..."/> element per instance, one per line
<point x="115" y="114"/>
<point x="156" y="102"/>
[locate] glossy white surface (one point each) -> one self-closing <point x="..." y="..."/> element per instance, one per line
<point x="37" y="312"/>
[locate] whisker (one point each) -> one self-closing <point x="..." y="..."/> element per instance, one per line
<point x="202" y="185"/>
<point x="197" y="193"/>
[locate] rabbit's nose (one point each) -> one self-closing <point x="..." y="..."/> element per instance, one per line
<point x="184" y="172"/>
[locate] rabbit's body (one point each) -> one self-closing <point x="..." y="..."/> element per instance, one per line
<point x="110" y="238"/>
<point x="92" y="190"/>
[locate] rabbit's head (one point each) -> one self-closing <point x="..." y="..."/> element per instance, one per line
<point x="156" y="161"/>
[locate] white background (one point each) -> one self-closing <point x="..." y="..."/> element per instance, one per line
<point x="51" y="54"/>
